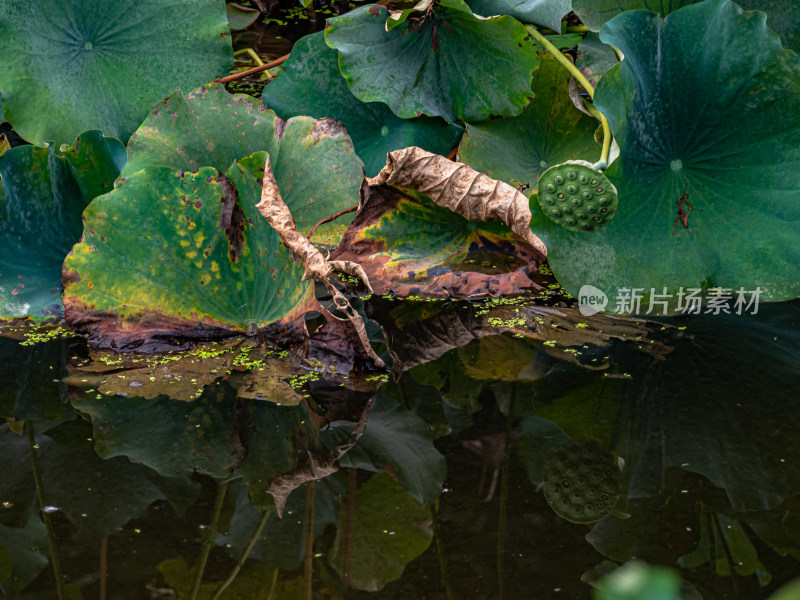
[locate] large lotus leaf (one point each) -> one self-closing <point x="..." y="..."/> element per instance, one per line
<point x="180" y="252"/>
<point x="549" y="131"/>
<point x="547" y="13"/>
<point x="409" y="245"/>
<point x="451" y="64"/>
<point x="397" y="441"/>
<point x="181" y="438"/>
<point x="73" y="65"/>
<point x="387" y="531"/>
<point x="312" y="85"/>
<point x="595" y="13"/>
<point x="207" y="127"/>
<point x="783" y="17"/>
<point x="313" y="161"/>
<point x="42" y="195"/>
<point x="722" y="127"/>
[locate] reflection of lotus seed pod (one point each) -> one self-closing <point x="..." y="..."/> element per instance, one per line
<point x="576" y="196"/>
<point x="581" y="481"/>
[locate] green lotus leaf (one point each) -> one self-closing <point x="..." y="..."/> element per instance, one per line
<point x="783" y="17"/>
<point x="397" y="441"/>
<point x="381" y="542"/>
<point x="312" y="85"/>
<point x="73" y="65"/>
<point x="595" y="13"/>
<point x="313" y="160"/>
<point x="207" y="127"/>
<point x="409" y="245"/>
<point x="549" y="131"/>
<point x="594" y="57"/>
<point x="169" y="251"/>
<point x="42" y="195"/>
<point x="547" y="13"/>
<point x="450" y="64"/>
<point x="241" y="17"/>
<point x="721" y="128"/>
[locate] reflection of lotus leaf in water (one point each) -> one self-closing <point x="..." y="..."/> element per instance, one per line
<point x="581" y="481"/>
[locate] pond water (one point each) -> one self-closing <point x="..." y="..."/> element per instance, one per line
<point x="513" y="449"/>
<point x="499" y="421"/>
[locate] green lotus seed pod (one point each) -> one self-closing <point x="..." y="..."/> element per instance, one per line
<point x="582" y="483"/>
<point x="576" y="183"/>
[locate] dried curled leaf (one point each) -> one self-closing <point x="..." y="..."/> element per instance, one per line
<point x="274" y="210"/>
<point x="463" y="190"/>
<point x="277" y="214"/>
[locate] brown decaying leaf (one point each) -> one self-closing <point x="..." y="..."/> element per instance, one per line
<point x="463" y="190"/>
<point x="274" y="210"/>
<point x="421" y="274"/>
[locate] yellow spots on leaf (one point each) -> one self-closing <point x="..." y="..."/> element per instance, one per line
<point x="199" y="238"/>
<point x="206" y="278"/>
<point x="214" y="266"/>
<point x="184" y="243"/>
<point x="199" y="265"/>
<point x="191" y="255"/>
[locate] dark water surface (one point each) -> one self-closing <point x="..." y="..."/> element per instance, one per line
<point x="678" y="441"/>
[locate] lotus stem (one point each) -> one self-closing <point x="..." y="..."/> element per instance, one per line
<point x="308" y="562"/>
<point x="208" y="540"/>
<point x="501" y="523"/>
<point x="51" y="536"/>
<point x="256" y="58"/>
<point x="241" y="74"/>
<point x="332" y="218"/>
<point x="240" y="563"/>
<point x="581" y="78"/>
<point x="603" y="164"/>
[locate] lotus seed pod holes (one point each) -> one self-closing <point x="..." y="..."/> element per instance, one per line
<point x="577" y="197"/>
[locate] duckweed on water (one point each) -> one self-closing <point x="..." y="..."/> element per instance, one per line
<point x="40" y="337"/>
<point x="241" y="359"/>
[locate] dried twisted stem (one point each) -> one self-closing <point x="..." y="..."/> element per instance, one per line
<point x="278" y="215"/>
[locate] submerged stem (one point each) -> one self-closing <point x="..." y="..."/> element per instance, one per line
<point x="208" y="540"/>
<point x="581" y="78"/>
<point x="501" y="524"/>
<point x="308" y="562"/>
<point x="240" y="563"/>
<point x="51" y="536"/>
